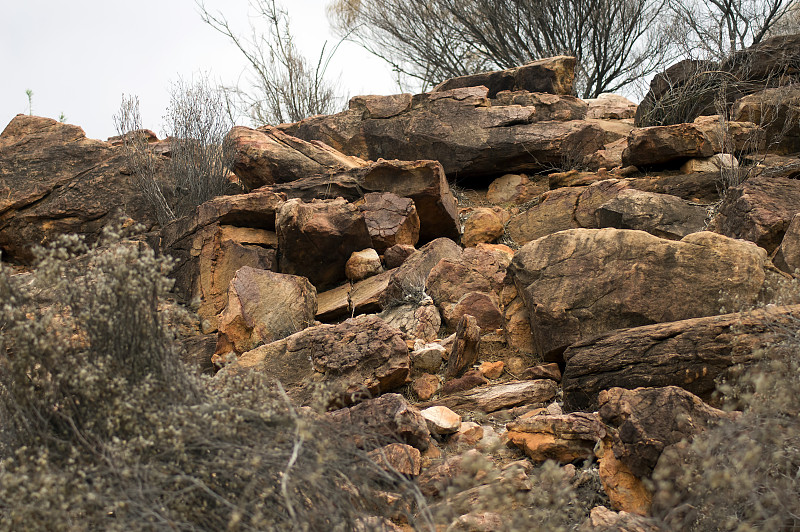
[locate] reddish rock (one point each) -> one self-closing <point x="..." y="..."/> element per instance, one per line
<point x="397" y="255"/>
<point x="484" y="225"/>
<point x="758" y="210"/>
<point x="543" y="371"/>
<point x="515" y="189"/>
<point x="398" y="458"/>
<point x="268" y="155"/>
<point x="264" y="306"/>
<point x="659" y="214"/>
<point x="353" y="299"/>
<point x="425" y="386"/>
<point x="481" y="306"/>
<point x="363" y="264"/>
<point x="359" y="357"/>
<point x="498" y="396"/>
<point x="518" y="326"/>
<point x="391" y="220"/>
<point x="553" y="75"/>
<point x="417" y="321"/>
<point x="563" y="438"/>
<point x="465" y="347"/>
<point x="492" y="370"/>
<point x="428" y="358"/>
<point x="471" y="379"/>
<point x="775" y="109"/>
<point x="646" y="420"/>
<point x="469" y="433"/>
<point x="602" y="519"/>
<point x="441" y="420"/>
<point x="787" y="256"/>
<point x="626" y="491"/>
<point x="582" y="282"/>
<point x="389" y="419"/>
<point x="316" y="239"/>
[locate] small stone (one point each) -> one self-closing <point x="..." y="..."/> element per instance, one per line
<point x="492" y="370"/>
<point x="397" y="255"/>
<point x="484" y="225"/>
<point x="428" y="358"/>
<point x="425" y="386"/>
<point x="471" y="379"/>
<point x="543" y="371"/>
<point x="469" y="433"/>
<point x="363" y="264"/>
<point x="400" y="457"/>
<point x="441" y="420"/>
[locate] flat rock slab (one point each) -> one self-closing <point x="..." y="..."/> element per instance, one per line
<point x="563" y="438"/>
<point x="496" y="397"/>
<point x="689" y="353"/>
<point x="465" y="129"/>
<point x="348" y="300"/>
<point x="554" y="75"/>
<point x="659" y="214"/>
<point x="359" y="357"/>
<point x="580" y="283"/>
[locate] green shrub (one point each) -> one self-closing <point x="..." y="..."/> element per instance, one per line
<point x="102" y="428"/>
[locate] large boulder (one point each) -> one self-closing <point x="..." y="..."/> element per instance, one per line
<point x="777" y="110"/>
<point x="268" y="155"/>
<point x="470" y="133"/>
<point x="423" y="182"/>
<point x="661" y="215"/>
<point x="564" y="438"/>
<point x="553" y="75"/>
<point x="693" y="354"/>
<point x="642" y="422"/>
<point x="54" y="181"/>
<point x="758" y="210"/>
<point x="357" y="358"/>
<point x="264" y="306"/>
<point x="391" y="220"/>
<point x="582" y="282"/>
<point x="316" y="239"/>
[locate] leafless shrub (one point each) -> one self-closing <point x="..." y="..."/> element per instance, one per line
<point x="284" y="85"/>
<point x="102" y="428"/>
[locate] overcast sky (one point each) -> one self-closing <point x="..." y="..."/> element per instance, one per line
<point x="79" y="56"/>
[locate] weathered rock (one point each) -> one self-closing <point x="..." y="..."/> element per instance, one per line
<point x="391" y="220"/>
<point x="515" y="189"/>
<point x="659" y="145"/>
<point x="484" y="225"/>
<point x="611" y="106"/>
<point x="518" y="326"/>
<point x="549" y="107"/>
<point x="389" y="418"/>
<point x="463" y="129"/>
<point x="563" y="208"/>
<point x="659" y="214"/>
<point x="715" y="163"/>
<point x="360" y="356"/>
<point x="787" y="256"/>
<point x="415" y="320"/>
<point x="434" y="480"/>
<point x="408" y="282"/>
<point x="563" y="438"/>
<point x="582" y="282"/>
<point x="363" y="264"/>
<point x="425" y="386"/>
<point x="492" y="370"/>
<point x="423" y="182"/>
<point x="268" y="155"/>
<point x="553" y="75"/>
<point x="465" y="347"/>
<point x="479" y="305"/>
<point x="396" y="255"/>
<point x="398" y="457"/>
<point x="469" y="433"/>
<point x="626" y="491"/>
<point x="197" y="351"/>
<point x="478" y="522"/>
<point x="264" y="306"/>
<point x="316" y="239"/>
<point x="543" y="371"/>
<point x="428" y="358"/>
<point x="441" y="420"/>
<point x="758" y="210"/>
<point x="692" y="354"/>
<point x="54" y="181"/>
<point x="609" y="156"/>
<point x="496" y="397"/>
<point x="601" y="519"/>
<point x="698" y="187"/>
<point x="776" y="110"/>
<point x="352" y="299"/>
<point x="646" y="420"/>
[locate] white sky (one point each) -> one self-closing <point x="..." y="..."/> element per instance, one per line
<point x="79" y="56"/>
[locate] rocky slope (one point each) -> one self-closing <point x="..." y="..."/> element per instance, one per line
<point x="566" y="306"/>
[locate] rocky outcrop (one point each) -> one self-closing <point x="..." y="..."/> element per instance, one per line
<point x="582" y="282"/>
<point x="553" y="75"/>
<point x="659" y="214"/>
<point x="423" y="182"/>
<point x="692" y="354"/>
<point x="54" y="181"/>
<point x="470" y="133"/>
<point x="564" y="438"/>
<point x="360" y="357"/>
<point x="316" y="239"/>
<point x="268" y="155"/>
<point x="777" y="111"/>
<point x="264" y="306"/>
<point x="758" y="210"/>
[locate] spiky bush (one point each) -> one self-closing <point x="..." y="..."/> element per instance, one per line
<point x="102" y="428"/>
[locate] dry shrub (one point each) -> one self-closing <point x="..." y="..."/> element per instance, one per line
<point x="102" y="428"/>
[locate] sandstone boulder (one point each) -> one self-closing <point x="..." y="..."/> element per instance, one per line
<point x="484" y="225"/>
<point x="601" y="519"/>
<point x="464" y="352"/>
<point x="264" y="306"/>
<point x="396" y="255"/>
<point x="777" y="111"/>
<point x="398" y="458"/>
<point x="441" y="420"/>
<point x="498" y="396"/>
<point x="358" y="357"/>
<point x="316" y="239"/>
<point x="692" y="354"/>
<point x="389" y="418"/>
<point x="54" y="181"/>
<point x="611" y="106"/>
<point x="582" y="282"/>
<point x="626" y="491"/>
<point x="268" y="155"/>
<point x="787" y="256"/>
<point x="416" y="320"/>
<point x="391" y="220"/>
<point x="553" y="75"/>
<point x="464" y="129"/>
<point x="362" y="264"/>
<point x="564" y="438"/>
<point x="659" y="214"/>
<point x="758" y="210"/>
<point x="515" y="189"/>
<point x="646" y="420"/>
<point x="349" y="299"/>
